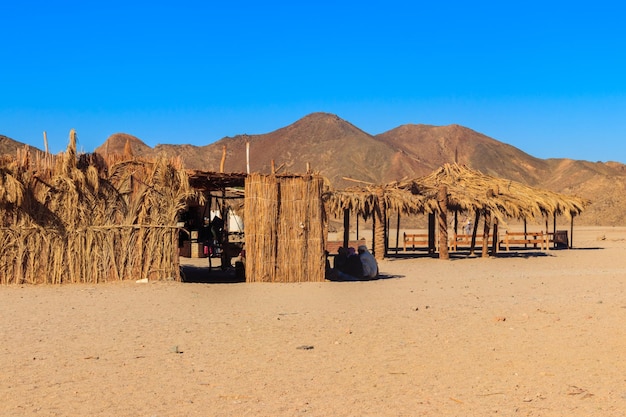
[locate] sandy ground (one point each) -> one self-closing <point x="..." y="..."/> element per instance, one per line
<point x="537" y="334"/>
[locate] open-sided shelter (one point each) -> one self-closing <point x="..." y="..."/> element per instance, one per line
<point x="451" y="188"/>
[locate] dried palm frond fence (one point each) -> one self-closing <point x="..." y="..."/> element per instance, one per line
<point x="285" y="228"/>
<point x="90" y="219"/>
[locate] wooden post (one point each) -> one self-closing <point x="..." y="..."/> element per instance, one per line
<point x="486" y="229"/>
<point x="373" y="248"/>
<point x="247" y="157"/>
<point x="442" y="216"/>
<point x="380" y="225"/>
<point x="398" y="233"/>
<point x="494" y="243"/>
<point x="474" y="232"/>
<point x="553" y="232"/>
<point x="571" y="233"/>
<point x="346" y="227"/>
<point x="431" y="233"/>
<point x="45" y="141"/>
<point x="224" y="212"/>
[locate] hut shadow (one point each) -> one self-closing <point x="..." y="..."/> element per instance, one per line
<point x="411" y="255"/>
<point x="206" y="275"/>
<point x="380" y="276"/>
<point x="526" y="254"/>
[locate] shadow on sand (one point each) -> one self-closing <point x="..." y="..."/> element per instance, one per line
<point x="206" y="275"/>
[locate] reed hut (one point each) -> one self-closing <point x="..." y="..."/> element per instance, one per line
<point x="227" y="190"/>
<point x="286" y="228"/>
<point x="90" y="218"/>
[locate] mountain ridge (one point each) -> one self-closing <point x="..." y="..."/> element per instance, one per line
<point x="341" y="151"/>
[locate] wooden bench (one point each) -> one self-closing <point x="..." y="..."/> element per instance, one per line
<point x="466" y="240"/>
<point x="525" y="238"/>
<point x="332" y="246"/>
<point x="415" y="239"/>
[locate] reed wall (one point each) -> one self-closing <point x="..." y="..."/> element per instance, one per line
<point x="90" y="219"/>
<point x="33" y="255"/>
<point x="285" y="242"/>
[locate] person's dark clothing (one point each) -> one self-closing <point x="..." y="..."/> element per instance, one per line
<point x="354" y="267"/>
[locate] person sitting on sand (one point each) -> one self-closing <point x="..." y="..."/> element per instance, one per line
<point x="339" y="263"/>
<point x="370" y="266"/>
<point x="350" y="268"/>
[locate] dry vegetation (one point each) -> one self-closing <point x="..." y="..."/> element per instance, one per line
<point x="89" y="219"/>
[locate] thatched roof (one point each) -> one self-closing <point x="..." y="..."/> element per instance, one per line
<point x="366" y="200"/>
<point x="471" y="190"/>
<point x="468" y="190"/>
<point x="213" y="181"/>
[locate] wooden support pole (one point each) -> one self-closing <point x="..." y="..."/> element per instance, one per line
<point x="571" y="233"/>
<point x="373" y="235"/>
<point x="474" y="232"/>
<point x="442" y="216"/>
<point x="380" y="226"/>
<point x="494" y="243"/>
<point x="45" y="141"/>
<point x="398" y="233"/>
<point x="346" y="227"/>
<point x="432" y="246"/>
<point x="247" y="157"/>
<point x="554" y="231"/>
<point x="486" y="229"/>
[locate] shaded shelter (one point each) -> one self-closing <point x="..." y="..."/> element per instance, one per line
<point x="374" y="201"/>
<point x="223" y="188"/>
<point x="494" y="198"/>
<point x="451" y="188"/>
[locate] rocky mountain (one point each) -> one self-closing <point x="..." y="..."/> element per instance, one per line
<point x="9" y="146"/>
<point x="342" y="152"/>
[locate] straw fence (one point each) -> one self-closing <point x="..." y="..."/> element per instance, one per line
<point x="89" y="218"/>
<point x="286" y="242"/>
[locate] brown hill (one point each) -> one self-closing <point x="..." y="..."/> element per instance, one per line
<point x="9" y="146"/>
<point x="432" y="146"/>
<point x="117" y="142"/>
<point x="339" y="150"/>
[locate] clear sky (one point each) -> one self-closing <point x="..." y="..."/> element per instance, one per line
<point x="546" y="77"/>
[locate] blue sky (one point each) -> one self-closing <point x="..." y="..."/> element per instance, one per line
<point x="546" y="77"/>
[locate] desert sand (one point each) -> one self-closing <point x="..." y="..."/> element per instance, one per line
<point x="532" y="334"/>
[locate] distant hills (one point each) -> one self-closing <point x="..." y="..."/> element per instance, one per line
<point x="338" y="150"/>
